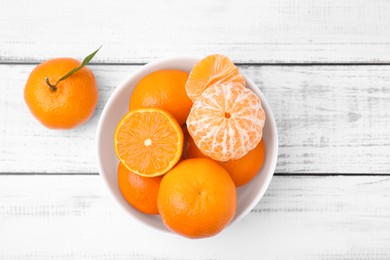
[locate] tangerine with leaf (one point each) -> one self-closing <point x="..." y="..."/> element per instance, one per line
<point x="62" y="93"/>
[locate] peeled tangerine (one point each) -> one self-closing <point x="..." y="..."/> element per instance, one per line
<point x="226" y="121"/>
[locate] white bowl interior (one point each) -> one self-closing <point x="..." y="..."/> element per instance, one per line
<point x="248" y="196"/>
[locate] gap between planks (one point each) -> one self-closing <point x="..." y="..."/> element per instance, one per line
<point x="275" y="174"/>
<point x="236" y="63"/>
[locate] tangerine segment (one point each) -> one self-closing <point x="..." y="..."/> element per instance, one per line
<point x="226" y="121"/>
<point x="197" y="198"/>
<point x="214" y="69"/>
<point x="149" y="141"/>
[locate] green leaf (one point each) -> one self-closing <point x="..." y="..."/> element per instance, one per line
<point x="85" y="62"/>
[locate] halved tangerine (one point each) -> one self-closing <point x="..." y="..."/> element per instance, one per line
<point x="148" y="141"/>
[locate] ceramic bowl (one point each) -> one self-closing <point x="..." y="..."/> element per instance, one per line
<point x="247" y="196"/>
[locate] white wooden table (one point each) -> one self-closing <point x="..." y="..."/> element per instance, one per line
<point x="324" y="66"/>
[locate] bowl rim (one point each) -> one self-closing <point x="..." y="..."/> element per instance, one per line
<point x="144" y="68"/>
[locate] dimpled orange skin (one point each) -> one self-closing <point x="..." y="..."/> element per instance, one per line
<point x="140" y="192"/>
<point x="197" y="198"/>
<point x="74" y="101"/>
<point x="242" y="170"/>
<point x="164" y="89"/>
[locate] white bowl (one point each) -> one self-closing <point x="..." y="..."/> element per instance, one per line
<point x="248" y="195"/>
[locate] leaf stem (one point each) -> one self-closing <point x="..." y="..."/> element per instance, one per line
<point x="73" y="71"/>
<point x="52" y="88"/>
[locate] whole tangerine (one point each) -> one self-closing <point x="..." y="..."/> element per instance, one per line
<point x="242" y="170"/>
<point x="197" y="198"/>
<point x="164" y="89"/>
<point x="66" y="104"/>
<point x="140" y="192"/>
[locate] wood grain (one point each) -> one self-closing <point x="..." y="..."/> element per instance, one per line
<point x="73" y="217"/>
<point x="250" y="31"/>
<point x="331" y="119"/>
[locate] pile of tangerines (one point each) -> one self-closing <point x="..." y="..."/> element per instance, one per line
<point x="186" y="144"/>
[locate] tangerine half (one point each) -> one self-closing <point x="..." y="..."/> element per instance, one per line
<point x="148" y="141"/>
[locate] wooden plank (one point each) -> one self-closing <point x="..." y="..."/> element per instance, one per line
<point x="331" y="119"/>
<point x="284" y="31"/>
<point x="72" y="217"/>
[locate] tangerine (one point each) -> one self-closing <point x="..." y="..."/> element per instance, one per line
<point x="164" y="89"/>
<point x="140" y="192"/>
<point x="242" y="170"/>
<point x="226" y="121"/>
<point x="68" y="104"/>
<point x="197" y="198"/>
<point x="148" y="141"/>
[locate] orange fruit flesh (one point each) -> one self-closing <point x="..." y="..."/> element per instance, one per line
<point x="148" y="142"/>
